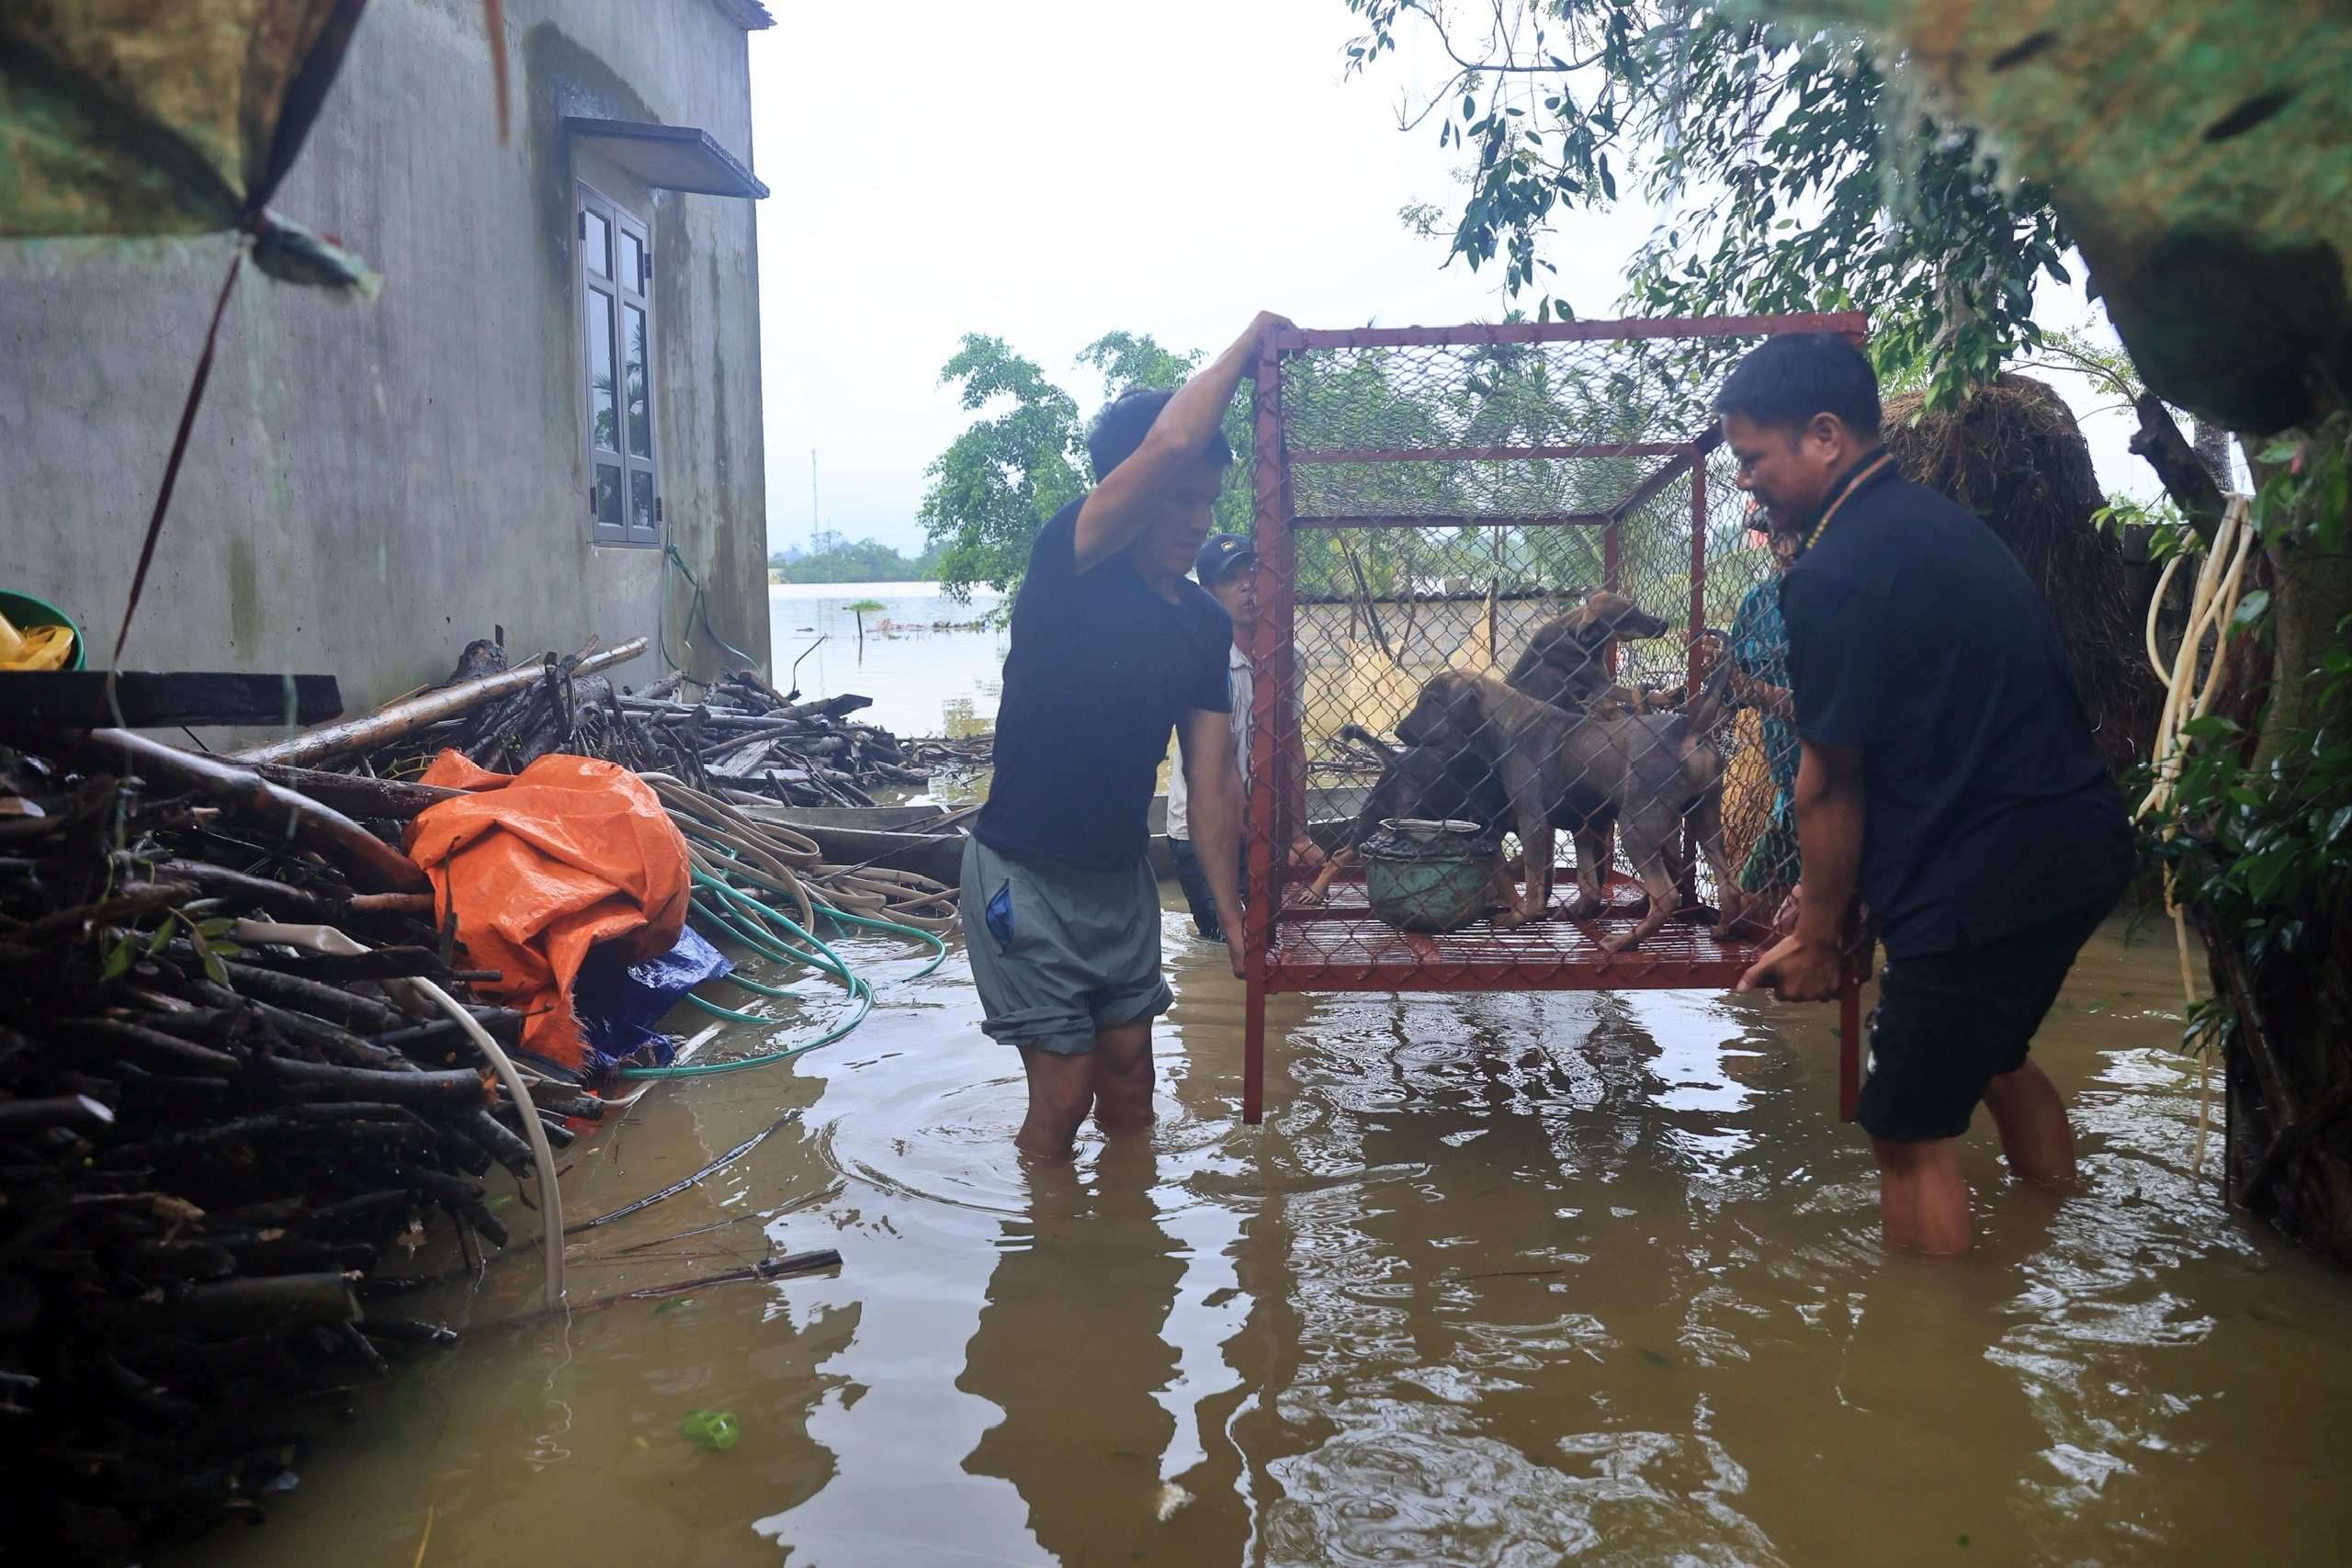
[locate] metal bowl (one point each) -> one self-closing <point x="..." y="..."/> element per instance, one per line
<point x="1427" y="829"/>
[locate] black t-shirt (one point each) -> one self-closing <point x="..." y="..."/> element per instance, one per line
<point x="1100" y="671"/>
<point x="1915" y="636"/>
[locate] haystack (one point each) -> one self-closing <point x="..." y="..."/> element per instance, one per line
<point x="2012" y="455"/>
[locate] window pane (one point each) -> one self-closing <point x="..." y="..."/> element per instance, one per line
<point x="632" y="272"/>
<point x="603" y="432"/>
<point x="608" y="495"/>
<point x="640" y="417"/>
<point x="640" y="499"/>
<point x="596" y="244"/>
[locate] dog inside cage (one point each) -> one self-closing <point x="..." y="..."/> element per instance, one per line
<point x="1530" y="644"/>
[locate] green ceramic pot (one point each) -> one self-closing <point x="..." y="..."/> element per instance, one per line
<point x="1421" y="880"/>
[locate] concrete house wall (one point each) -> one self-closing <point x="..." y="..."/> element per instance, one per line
<point x="370" y="485"/>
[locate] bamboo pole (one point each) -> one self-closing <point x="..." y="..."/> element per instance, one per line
<point x="407" y="717"/>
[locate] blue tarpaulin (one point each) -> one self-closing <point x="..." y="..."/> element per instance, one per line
<point x="618" y="1003"/>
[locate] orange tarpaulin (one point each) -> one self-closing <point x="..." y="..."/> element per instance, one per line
<point x="543" y="864"/>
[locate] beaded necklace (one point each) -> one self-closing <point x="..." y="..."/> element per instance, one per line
<point x="1815" y="537"/>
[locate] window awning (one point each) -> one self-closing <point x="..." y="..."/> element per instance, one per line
<point x="670" y="157"/>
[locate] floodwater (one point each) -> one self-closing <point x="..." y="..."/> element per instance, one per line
<point x="1508" y="1280"/>
<point x="922" y="681"/>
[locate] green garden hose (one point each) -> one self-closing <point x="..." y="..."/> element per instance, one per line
<point x="753" y="924"/>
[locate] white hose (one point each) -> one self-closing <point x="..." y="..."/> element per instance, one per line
<point x="2213" y="604"/>
<point x="326" y="939"/>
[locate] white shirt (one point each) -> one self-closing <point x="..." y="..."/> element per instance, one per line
<point x="1237" y="688"/>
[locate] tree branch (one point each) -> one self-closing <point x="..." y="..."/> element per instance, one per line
<point x="2183" y="473"/>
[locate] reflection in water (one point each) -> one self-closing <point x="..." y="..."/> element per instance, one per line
<point x="1505" y="1280"/>
<point x="1070" y="1346"/>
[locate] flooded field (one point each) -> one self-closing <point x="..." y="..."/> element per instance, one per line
<point x="923" y="681"/>
<point x="1504" y="1280"/>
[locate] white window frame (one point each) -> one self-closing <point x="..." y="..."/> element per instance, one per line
<point x="616" y="424"/>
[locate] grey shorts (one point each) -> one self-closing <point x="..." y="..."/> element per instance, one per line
<point x="1058" y="952"/>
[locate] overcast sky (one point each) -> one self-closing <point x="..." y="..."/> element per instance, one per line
<point x="1048" y="171"/>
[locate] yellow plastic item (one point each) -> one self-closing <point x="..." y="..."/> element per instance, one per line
<point x="35" y="647"/>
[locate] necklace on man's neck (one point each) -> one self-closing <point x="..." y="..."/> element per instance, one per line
<point x="1851" y="485"/>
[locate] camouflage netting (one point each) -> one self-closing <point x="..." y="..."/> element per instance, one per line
<point x="129" y="117"/>
<point x="2198" y="151"/>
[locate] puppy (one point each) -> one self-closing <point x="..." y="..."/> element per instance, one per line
<point x="1565" y="663"/>
<point x="1426" y="782"/>
<point x="1648" y="773"/>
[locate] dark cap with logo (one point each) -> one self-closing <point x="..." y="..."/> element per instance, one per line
<point x="1219" y="553"/>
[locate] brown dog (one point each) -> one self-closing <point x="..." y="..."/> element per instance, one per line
<point x="1424" y="782"/>
<point x="1648" y="773"/>
<point x="1565" y="663"/>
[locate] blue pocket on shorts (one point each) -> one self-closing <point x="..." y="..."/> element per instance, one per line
<point x="1000" y="917"/>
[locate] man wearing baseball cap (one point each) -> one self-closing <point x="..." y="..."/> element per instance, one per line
<point x="1227" y="567"/>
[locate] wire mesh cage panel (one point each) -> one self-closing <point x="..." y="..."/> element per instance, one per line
<point x="1519" y="716"/>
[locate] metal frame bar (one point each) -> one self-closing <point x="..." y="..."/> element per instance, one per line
<point x="1491" y="453"/>
<point x="1276" y="745"/>
<point x="1438" y="520"/>
<point x="1853" y="324"/>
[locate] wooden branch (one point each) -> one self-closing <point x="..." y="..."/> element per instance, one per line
<point x="406" y="718"/>
<point x="109" y="1032"/>
<point x="371" y="865"/>
<point x="2182" y="472"/>
<point x="454" y="1090"/>
<point x="131" y="902"/>
<point x="356" y="794"/>
<point x="220" y="881"/>
<point x="304" y="991"/>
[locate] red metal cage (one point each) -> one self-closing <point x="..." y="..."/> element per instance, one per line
<point x="1465" y="483"/>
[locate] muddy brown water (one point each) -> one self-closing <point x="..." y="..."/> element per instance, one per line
<point x="1504" y="1279"/>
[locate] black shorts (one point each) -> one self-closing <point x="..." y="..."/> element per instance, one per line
<point x="1947" y="1025"/>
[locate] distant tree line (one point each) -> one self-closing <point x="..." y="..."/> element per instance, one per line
<point x="868" y="560"/>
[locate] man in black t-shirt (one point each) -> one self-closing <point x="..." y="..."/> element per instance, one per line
<point x="1946" y="770"/>
<point x="1113" y="648"/>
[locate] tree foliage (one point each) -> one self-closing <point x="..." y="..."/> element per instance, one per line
<point x="999" y="480"/>
<point x="1798" y="179"/>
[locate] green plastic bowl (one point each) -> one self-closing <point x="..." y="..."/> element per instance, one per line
<point x="24" y="611"/>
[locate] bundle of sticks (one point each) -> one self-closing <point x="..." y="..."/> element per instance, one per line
<point x="959" y="755"/>
<point x="739" y="738"/>
<point x="206" y="1148"/>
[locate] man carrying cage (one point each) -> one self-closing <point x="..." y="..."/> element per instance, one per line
<point x="1112" y="649"/>
<point x="1946" y="771"/>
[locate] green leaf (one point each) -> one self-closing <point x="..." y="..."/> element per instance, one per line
<point x="206" y="957"/>
<point x="120" y="955"/>
<point x="2251" y="608"/>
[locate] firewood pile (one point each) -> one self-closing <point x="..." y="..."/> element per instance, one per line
<point x="213" y="1134"/>
<point x="207" y="1146"/>
<point x="739" y="738"/>
<point x="958" y="756"/>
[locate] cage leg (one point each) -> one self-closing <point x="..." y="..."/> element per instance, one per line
<point x="1253" y="1051"/>
<point x="1850" y="1045"/>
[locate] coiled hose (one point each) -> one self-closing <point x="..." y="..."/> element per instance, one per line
<point x="722" y="843"/>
